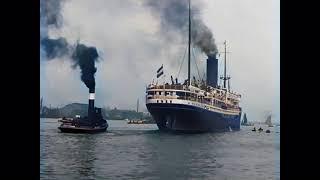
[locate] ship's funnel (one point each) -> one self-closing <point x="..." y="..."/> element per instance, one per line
<point x="91" y="110"/>
<point x="212" y="70"/>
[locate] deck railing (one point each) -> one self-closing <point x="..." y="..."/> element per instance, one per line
<point x="169" y="86"/>
<point x="182" y="87"/>
<point x="194" y="99"/>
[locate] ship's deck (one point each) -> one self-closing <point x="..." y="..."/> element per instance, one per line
<point x="181" y="94"/>
<point x="212" y="97"/>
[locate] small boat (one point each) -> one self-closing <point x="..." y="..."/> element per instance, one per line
<point x="260" y="129"/>
<point x="268" y="131"/>
<point x="136" y="121"/>
<point x="65" y="120"/>
<point x="254" y="129"/>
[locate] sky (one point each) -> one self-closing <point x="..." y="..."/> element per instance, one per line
<point x="127" y="36"/>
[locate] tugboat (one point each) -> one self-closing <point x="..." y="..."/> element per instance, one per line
<point x="93" y="123"/>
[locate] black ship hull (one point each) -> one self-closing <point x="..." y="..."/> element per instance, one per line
<point x="191" y="119"/>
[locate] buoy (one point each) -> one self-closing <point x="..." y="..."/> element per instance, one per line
<point x="268" y="131"/>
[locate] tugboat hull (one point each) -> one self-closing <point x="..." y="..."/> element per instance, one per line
<point x="83" y="129"/>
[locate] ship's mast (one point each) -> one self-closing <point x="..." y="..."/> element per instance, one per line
<point x="225" y="64"/>
<point x="225" y="78"/>
<point x="41" y="101"/>
<point x="189" y="42"/>
<point x="138" y="105"/>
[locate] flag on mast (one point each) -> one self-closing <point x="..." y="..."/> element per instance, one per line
<point x="160" y="71"/>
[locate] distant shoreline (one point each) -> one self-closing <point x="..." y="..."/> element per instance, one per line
<point x="73" y="109"/>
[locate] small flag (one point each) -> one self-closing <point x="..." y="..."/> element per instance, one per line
<point x="159" y="74"/>
<point x="160" y="71"/>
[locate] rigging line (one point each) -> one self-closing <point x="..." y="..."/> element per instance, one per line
<point x="219" y="71"/>
<point x="229" y="70"/>
<point x="201" y="65"/>
<point x="204" y="70"/>
<point x="204" y="76"/>
<point x="182" y="62"/>
<point x="194" y="58"/>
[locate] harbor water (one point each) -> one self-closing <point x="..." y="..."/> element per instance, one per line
<point x="140" y="151"/>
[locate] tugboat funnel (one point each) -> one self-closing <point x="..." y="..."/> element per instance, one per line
<point x="91" y="110"/>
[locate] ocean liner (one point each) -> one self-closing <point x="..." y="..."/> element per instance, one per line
<point x="194" y="107"/>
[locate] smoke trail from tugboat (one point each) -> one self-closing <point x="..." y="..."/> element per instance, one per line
<point x="81" y="55"/>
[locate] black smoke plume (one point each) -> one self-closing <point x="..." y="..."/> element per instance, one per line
<point x="85" y="58"/>
<point x="174" y="16"/>
<point x="50" y="11"/>
<point x="55" y="48"/>
<point x="81" y="55"/>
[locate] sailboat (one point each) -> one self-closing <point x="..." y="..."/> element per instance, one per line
<point x="268" y="121"/>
